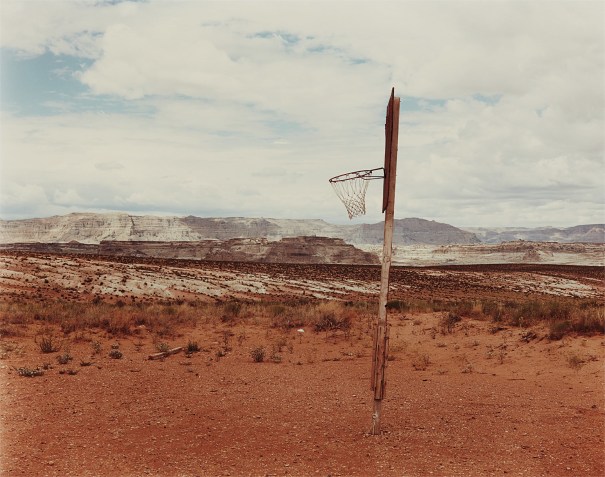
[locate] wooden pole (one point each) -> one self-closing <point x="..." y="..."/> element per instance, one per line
<point x="381" y="336"/>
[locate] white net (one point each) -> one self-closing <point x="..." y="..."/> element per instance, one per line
<point x="352" y="192"/>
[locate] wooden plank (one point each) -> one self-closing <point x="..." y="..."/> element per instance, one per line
<point x="388" y="146"/>
<point x="163" y="354"/>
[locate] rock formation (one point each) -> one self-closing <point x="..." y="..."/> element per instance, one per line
<point x="288" y="250"/>
<point x="95" y="228"/>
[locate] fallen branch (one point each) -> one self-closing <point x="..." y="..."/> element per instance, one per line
<point x="163" y="354"/>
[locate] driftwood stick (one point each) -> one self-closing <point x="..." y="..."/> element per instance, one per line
<point x="163" y="354"/>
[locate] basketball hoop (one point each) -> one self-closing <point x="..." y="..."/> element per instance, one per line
<point x="351" y="189"/>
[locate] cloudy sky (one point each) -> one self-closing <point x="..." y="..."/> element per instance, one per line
<point x="229" y="108"/>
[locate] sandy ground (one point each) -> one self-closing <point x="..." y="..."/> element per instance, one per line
<point x="473" y="402"/>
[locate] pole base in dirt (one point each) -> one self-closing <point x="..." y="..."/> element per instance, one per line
<point x="375" y="431"/>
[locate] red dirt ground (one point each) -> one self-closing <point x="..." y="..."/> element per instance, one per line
<point x="470" y="403"/>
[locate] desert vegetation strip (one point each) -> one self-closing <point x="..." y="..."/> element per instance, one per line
<point x="560" y="316"/>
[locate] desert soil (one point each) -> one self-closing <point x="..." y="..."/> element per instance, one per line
<point x="477" y="401"/>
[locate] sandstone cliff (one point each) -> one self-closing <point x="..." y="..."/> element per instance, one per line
<point x="95" y="228"/>
<point x="288" y="250"/>
<point x="590" y="233"/>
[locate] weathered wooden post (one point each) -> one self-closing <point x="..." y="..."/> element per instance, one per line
<point x="381" y="336"/>
<point x="351" y="188"/>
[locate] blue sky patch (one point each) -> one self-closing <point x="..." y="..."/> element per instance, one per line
<point x="415" y="103"/>
<point x="490" y="99"/>
<point x="338" y="52"/>
<point x="27" y="84"/>
<point x="47" y="85"/>
<point x="288" y="39"/>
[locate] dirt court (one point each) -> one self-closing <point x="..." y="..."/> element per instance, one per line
<point x="474" y="400"/>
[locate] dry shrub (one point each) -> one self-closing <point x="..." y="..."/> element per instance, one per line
<point x="448" y="322"/>
<point x="192" y="347"/>
<point x="258" y="354"/>
<point x="64" y="358"/>
<point x="30" y="372"/>
<point x="162" y="347"/>
<point x="329" y="321"/>
<point x="48" y="344"/>
<point x="421" y="361"/>
<point x="279" y="344"/>
<point x="96" y="347"/>
<point x="397" y="305"/>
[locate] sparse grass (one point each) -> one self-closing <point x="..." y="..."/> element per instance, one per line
<point x="575" y="361"/>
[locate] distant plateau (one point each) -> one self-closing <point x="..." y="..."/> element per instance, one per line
<point x="417" y="242"/>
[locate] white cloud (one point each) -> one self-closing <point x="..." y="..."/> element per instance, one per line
<point x="248" y="108"/>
